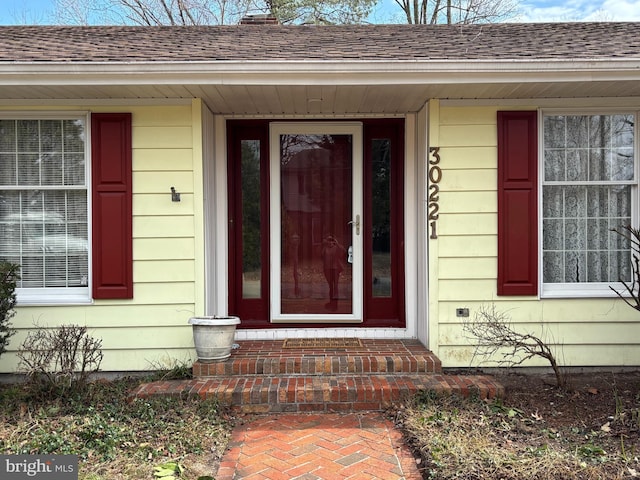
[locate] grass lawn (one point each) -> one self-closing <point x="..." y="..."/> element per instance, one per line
<point x="115" y="438"/>
<point x="590" y="430"/>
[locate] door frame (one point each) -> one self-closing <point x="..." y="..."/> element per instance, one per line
<point x="410" y="133"/>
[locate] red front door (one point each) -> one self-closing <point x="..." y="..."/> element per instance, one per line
<point x="315" y="223"/>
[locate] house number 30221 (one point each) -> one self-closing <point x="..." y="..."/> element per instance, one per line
<point x="435" y="175"/>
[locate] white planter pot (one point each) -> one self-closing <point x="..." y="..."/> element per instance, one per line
<point x="213" y="337"/>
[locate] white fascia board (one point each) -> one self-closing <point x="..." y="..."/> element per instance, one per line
<point x="325" y="72"/>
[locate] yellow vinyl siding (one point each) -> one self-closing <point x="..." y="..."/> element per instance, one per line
<point x="469" y="180"/>
<point x="468" y="224"/>
<point x="172" y="116"/>
<point x="467" y="115"/>
<point x="147" y="358"/>
<point x="472" y="157"/>
<point x="155" y="205"/>
<point x="166" y="337"/>
<point x="103" y="316"/>
<point x="585" y="332"/>
<point x="472" y="289"/>
<point x="165" y="226"/>
<point x="570" y="311"/>
<point x="468" y="202"/>
<point x="163" y="248"/>
<point x="468" y="268"/>
<point x="170" y="137"/>
<point x="151" y="328"/>
<point x="596" y="356"/>
<point x="147" y="334"/>
<point x="154" y="271"/>
<point x="467" y="246"/>
<point x="165" y="293"/>
<point x="161" y="160"/>
<point x="156" y="182"/>
<point x="478" y="135"/>
<point x="561" y="333"/>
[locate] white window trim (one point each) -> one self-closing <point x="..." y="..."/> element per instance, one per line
<point x="61" y="295"/>
<point x="583" y="290"/>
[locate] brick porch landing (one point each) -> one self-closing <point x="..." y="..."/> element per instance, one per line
<point x="264" y="377"/>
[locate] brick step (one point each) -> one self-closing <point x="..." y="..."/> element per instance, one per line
<point x="265" y="376"/>
<point x="319" y="365"/>
<point x="334" y="393"/>
<point x="373" y="357"/>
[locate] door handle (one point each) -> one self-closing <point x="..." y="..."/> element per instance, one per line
<point x="356" y="223"/>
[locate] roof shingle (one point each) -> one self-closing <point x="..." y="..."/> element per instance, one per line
<point x="116" y="44"/>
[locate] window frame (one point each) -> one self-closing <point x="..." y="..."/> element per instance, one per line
<point x="586" y="289"/>
<point x="28" y="296"/>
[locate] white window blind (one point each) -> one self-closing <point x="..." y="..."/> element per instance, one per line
<point x="43" y="202"/>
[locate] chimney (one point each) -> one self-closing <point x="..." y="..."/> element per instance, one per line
<point x="260" y="19"/>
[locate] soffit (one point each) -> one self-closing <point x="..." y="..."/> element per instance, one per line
<point x="317" y="99"/>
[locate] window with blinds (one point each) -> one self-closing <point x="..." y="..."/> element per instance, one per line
<point x="43" y="206"/>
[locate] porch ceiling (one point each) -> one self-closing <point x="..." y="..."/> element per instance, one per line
<point x="327" y="99"/>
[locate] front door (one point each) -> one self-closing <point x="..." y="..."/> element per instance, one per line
<point x="316" y="222"/>
<point x="316" y="236"/>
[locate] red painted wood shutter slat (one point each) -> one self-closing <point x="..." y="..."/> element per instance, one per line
<point x="517" y="203"/>
<point x="111" y="205"/>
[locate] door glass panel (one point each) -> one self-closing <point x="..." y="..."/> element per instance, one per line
<point x="381" y="217"/>
<point x="316" y="179"/>
<point x="251" y="214"/>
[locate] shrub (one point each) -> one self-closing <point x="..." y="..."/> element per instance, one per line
<point x="631" y="292"/>
<point x="9" y="275"/>
<point x="498" y="340"/>
<point x="60" y="360"/>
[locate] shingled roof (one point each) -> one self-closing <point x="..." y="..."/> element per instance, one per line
<point x="501" y="42"/>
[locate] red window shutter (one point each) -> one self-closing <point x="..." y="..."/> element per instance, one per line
<point x="111" y="199"/>
<point x="517" y="203"/>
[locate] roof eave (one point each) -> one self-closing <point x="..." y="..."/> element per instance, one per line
<point x="320" y="72"/>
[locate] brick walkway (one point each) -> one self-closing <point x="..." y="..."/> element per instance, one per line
<point x="323" y="446"/>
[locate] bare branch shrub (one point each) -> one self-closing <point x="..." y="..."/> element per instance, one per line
<point x="631" y="292"/>
<point x="9" y="275"/>
<point x="60" y="361"/>
<point x="498" y="340"/>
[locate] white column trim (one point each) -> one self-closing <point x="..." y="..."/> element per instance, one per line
<point x="217" y="225"/>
